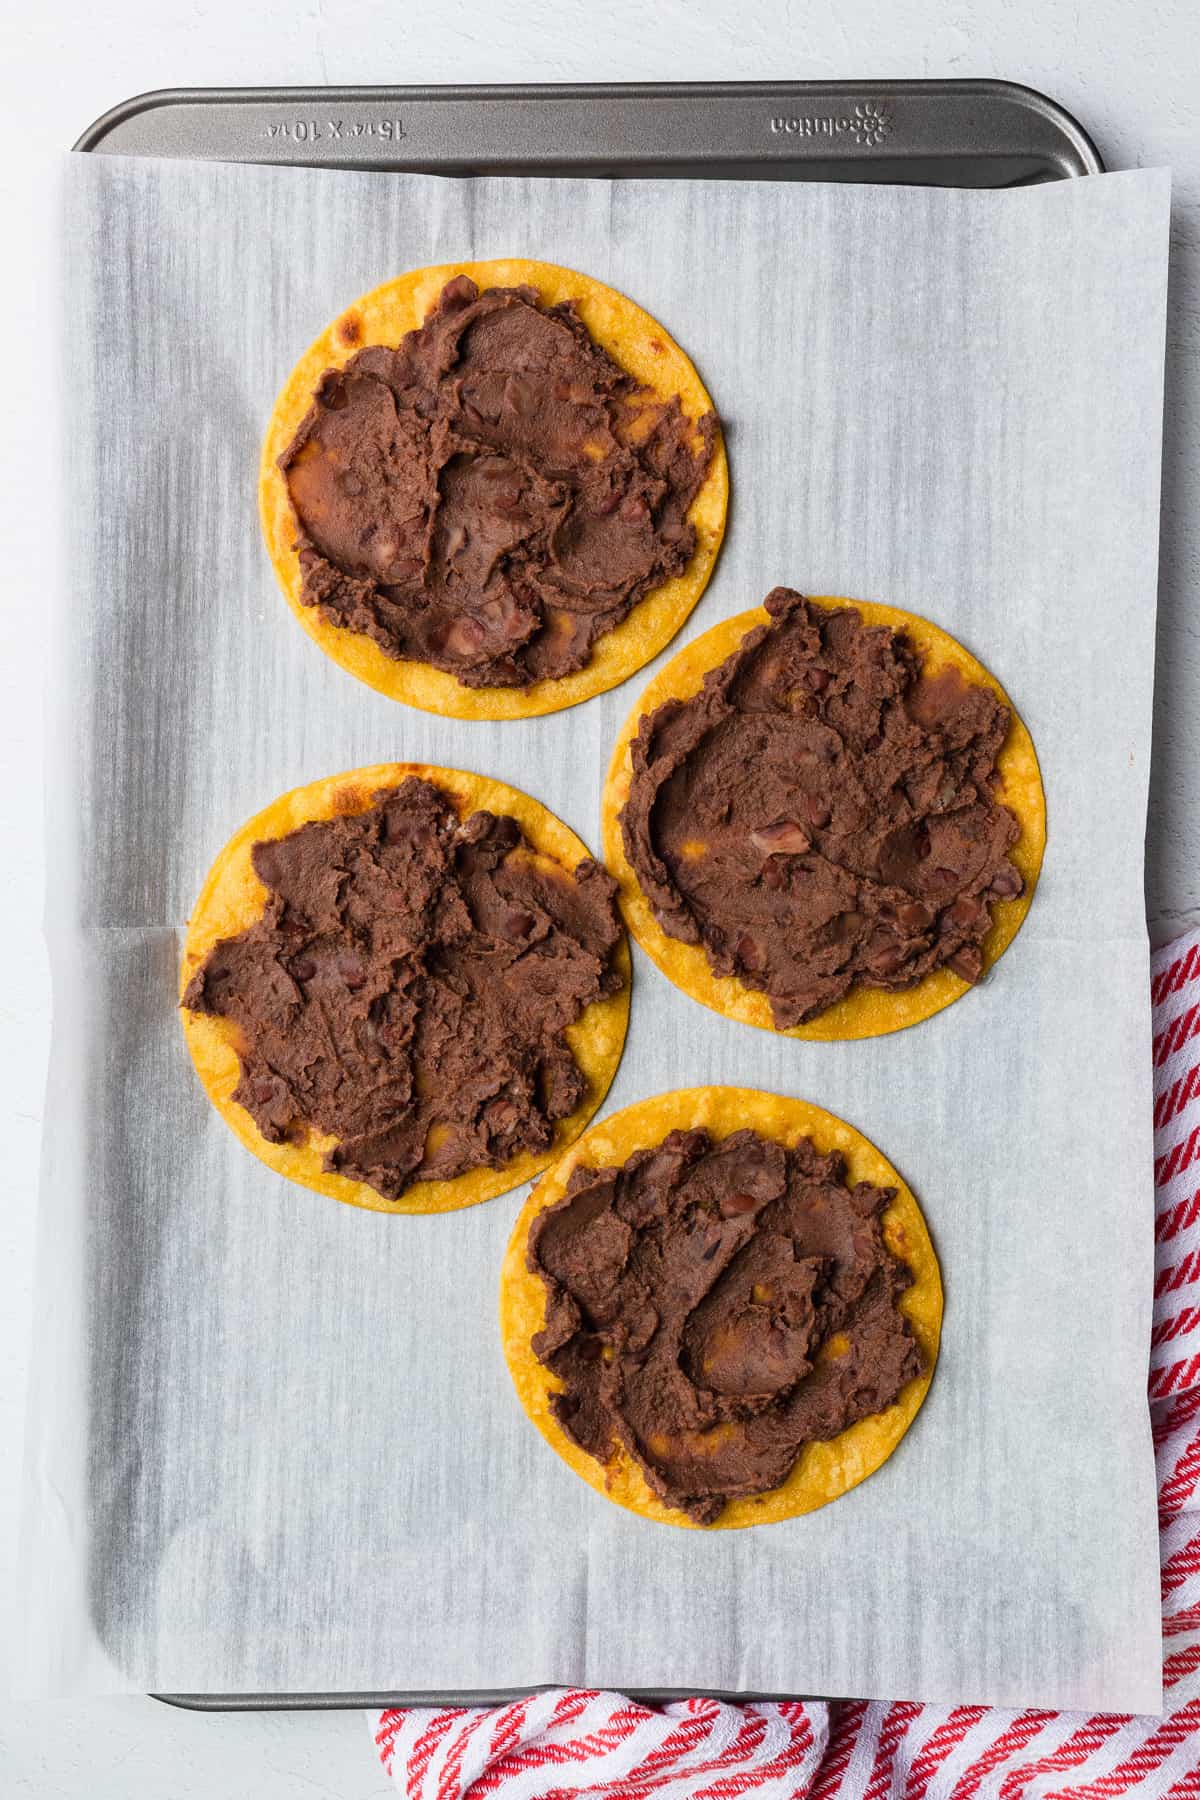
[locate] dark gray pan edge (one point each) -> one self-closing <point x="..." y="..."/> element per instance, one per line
<point x="374" y="1702"/>
<point x="944" y="133"/>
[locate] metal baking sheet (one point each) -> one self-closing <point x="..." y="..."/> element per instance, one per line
<point x="968" y="134"/>
<point x="941" y="133"/>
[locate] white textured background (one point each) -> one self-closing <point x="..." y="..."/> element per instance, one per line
<point x="1130" y="73"/>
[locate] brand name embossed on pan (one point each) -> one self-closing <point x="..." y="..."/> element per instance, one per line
<point x="869" y="123"/>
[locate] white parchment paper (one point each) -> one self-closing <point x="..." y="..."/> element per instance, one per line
<point x="273" y="1441"/>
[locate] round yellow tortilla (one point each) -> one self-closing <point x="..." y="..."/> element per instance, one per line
<point x="232" y="898"/>
<point x="864" y="1012"/>
<point x="823" y="1471"/>
<point x="634" y="340"/>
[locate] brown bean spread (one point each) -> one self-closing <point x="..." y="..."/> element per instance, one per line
<point x="822" y="813"/>
<point x="494" y="493"/>
<point x="408" y="987"/>
<point x="714" y="1306"/>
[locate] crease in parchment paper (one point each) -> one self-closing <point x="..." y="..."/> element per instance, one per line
<point x="273" y="1443"/>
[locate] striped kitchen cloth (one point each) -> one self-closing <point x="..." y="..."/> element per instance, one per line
<point x="575" y="1742"/>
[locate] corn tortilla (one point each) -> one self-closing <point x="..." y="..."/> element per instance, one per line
<point x="823" y="1471"/>
<point x="635" y="341"/>
<point x="864" y="1012"/>
<point x="232" y="898"/>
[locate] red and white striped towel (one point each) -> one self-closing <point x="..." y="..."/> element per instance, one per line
<point x="555" y="1745"/>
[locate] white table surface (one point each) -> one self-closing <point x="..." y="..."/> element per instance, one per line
<point x="1128" y="71"/>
